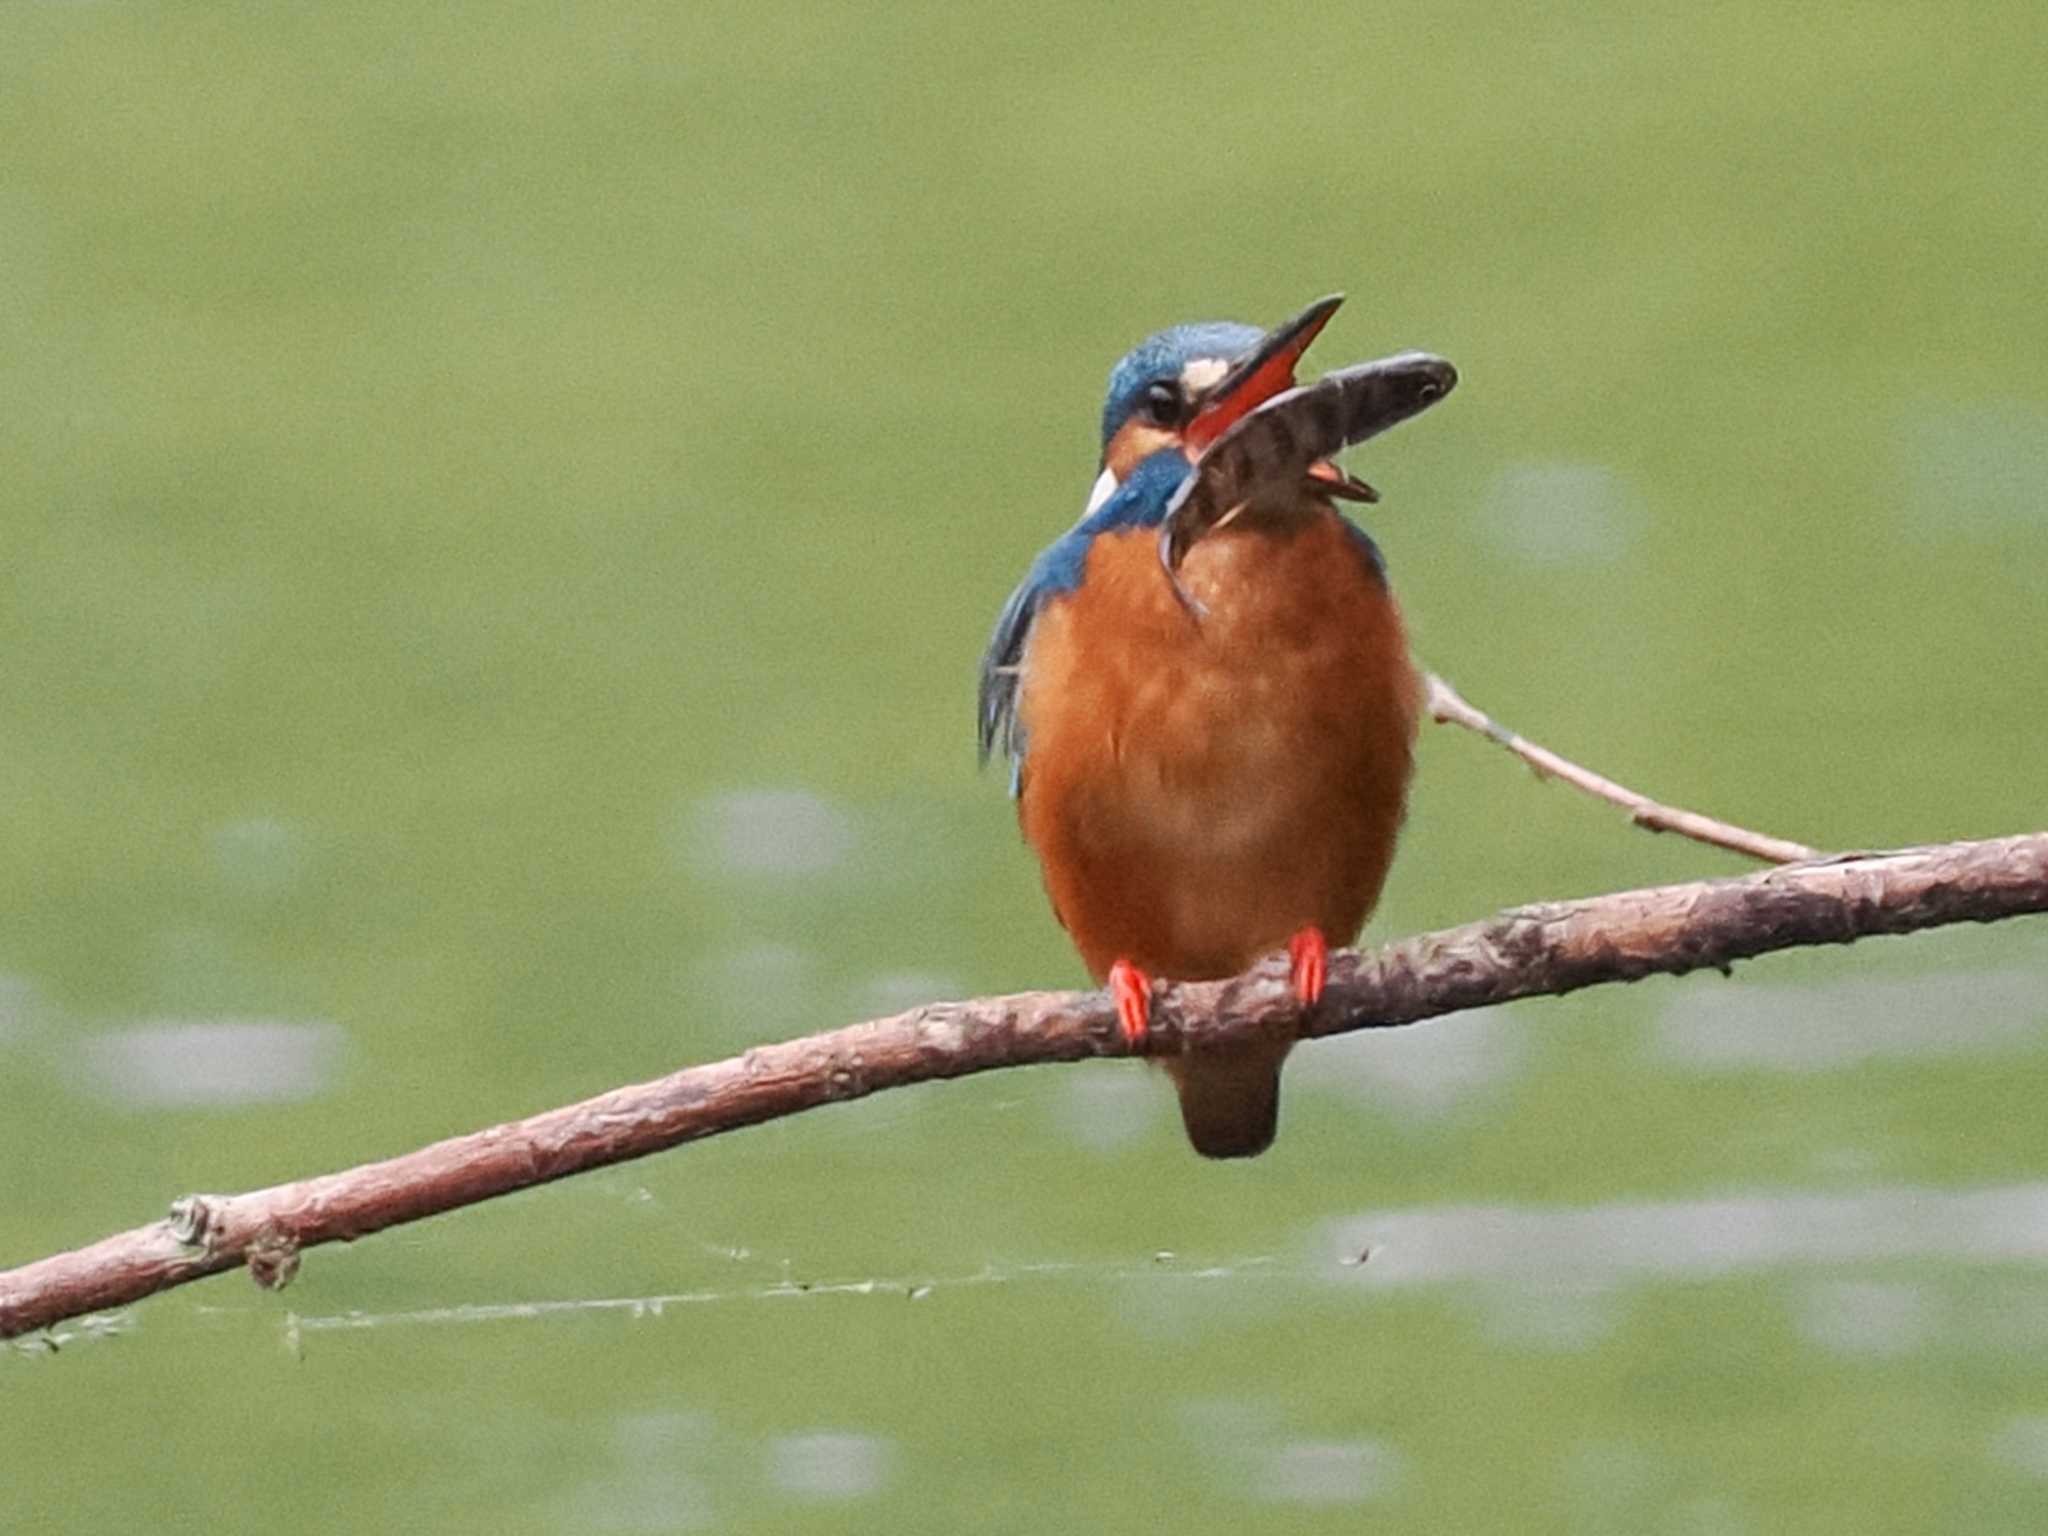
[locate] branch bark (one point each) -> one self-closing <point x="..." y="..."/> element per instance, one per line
<point x="1548" y="949"/>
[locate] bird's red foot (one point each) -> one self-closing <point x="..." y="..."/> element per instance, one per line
<point x="1132" y="990"/>
<point x="1308" y="954"/>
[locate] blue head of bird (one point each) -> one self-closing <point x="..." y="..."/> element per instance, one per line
<point x="1183" y="387"/>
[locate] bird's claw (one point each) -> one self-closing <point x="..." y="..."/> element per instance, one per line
<point x="1131" y="989"/>
<point x="1308" y="965"/>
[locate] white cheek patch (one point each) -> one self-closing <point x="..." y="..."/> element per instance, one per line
<point x="1203" y="373"/>
<point x="1105" y="487"/>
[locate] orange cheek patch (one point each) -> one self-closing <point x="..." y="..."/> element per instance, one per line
<point x="1134" y="443"/>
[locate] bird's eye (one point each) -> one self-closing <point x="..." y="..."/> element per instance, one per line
<point x="1162" y="404"/>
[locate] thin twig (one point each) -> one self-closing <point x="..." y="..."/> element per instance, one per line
<point x="1447" y="706"/>
<point x="1551" y="948"/>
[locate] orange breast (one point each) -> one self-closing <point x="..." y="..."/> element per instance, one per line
<point x="1198" y="791"/>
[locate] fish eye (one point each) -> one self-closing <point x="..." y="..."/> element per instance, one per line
<point x="1162" y="403"/>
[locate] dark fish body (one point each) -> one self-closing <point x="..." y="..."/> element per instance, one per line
<point x="1271" y="448"/>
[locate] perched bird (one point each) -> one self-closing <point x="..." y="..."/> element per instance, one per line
<point x="1205" y="691"/>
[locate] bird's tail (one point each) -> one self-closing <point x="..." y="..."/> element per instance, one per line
<point x="1230" y="1096"/>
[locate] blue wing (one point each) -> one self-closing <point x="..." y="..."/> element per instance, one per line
<point x="1002" y="664"/>
<point x="1139" y="502"/>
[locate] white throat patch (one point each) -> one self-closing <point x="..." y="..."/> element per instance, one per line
<point x="1105" y="487"/>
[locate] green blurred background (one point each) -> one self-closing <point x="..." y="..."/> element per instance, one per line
<point x="501" y="507"/>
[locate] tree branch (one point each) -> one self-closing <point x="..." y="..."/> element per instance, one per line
<point x="1547" y="949"/>
<point x="1448" y="707"/>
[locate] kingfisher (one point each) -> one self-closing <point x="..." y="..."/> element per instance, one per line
<point x="1205" y="692"/>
